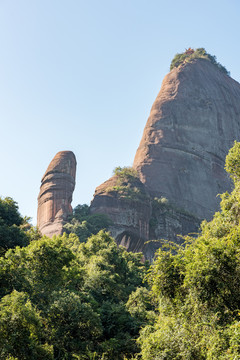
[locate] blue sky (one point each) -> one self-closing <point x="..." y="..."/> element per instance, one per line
<point x="82" y="76"/>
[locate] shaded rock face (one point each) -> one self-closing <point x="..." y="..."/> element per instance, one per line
<point x="55" y="197"/>
<point x="169" y="223"/>
<point x="130" y="217"/>
<point x="192" y="125"/>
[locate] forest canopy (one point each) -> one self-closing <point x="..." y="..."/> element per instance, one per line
<point x="83" y="297"/>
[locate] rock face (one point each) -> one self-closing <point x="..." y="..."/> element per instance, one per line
<point x="192" y="125"/>
<point x="55" y="197"/>
<point x="178" y="169"/>
<point x="168" y="223"/>
<point x="130" y="214"/>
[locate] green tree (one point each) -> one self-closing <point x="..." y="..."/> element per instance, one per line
<point x="21" y="330"/>
<point x="84" y="224"/>
<point x="11" y="226"/>
<point x="79" y="291"/>
<point x="197" y="288"/>
<point x="74" y="327"/>
<point x="37" y="269"/>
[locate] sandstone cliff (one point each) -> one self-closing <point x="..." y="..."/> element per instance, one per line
<point x="192" y="125"/>
<point x="178" y="169"/>
<point x="55" y="197"/>
<point x="126" y="202"/>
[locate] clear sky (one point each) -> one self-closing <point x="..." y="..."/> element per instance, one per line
<point x="82" y="76"/>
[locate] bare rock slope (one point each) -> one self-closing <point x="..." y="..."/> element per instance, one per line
<point x="192" y="125"/>
<point x="55" y="197"/>
<point x="178" y="169"/>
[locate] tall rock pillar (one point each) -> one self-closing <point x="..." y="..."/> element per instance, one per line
<point x="55" y="197"/>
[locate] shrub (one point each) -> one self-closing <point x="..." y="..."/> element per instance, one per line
<point x="126" y="172"/>
<point x="84" y="224"/>
<point x="199" y="53"/>
<point x="128" y="184"/>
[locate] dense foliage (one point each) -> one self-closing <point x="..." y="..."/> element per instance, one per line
<point x="198" y="288"/>
<point x="63" y="298"/>
<point x="199" y="53"/>
<point x="13" y="228"/>
<point x="84" y="224"/>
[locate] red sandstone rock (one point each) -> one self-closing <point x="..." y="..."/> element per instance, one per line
<point x="55" y="197"/>
<point x="192" y="125"/>
<point x="130" y="216"/>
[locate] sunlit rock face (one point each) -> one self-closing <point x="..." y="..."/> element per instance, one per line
<point x="55" y="197"/>
<point x="192" y="125"/>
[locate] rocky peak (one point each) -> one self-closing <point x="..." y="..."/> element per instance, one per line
<point x="178" y="169"/>
<point x="55" y="197"/>
<point x="192" y="125"/>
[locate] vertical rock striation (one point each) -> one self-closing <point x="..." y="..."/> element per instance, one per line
<point x="192" y="125"/>
<point x="178" y="169"/>
<point x="55" y="197"/>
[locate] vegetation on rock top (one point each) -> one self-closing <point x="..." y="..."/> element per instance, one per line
<point x="126" y="173"/>
<point x="199" y="53"/>
<point x="128" y="185"/>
